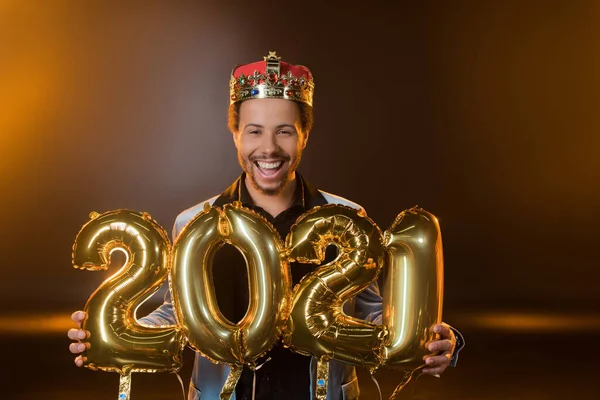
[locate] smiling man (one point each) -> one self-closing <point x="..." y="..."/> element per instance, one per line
<point x="270" y="135"/>
<point x="270" y="117"/>
<point x="269" y="172"/>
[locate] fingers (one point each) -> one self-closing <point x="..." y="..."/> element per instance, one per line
<point x="77" y="348"/>
<point x="437" y="364"/>
<point x="447" y="341"/>
<point x="79" y="316"/>
<point x="79" y="360"/>
<point x="440" y="345"/>
<point x="77" y="334"/>
<point x="443" y="330"/>
<point x="435" y="361"/>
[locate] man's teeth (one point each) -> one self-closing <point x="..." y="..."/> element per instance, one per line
<point x="267" y="165"/>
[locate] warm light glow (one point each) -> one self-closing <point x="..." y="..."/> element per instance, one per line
<point x="529" y="322"/>
<point x="32" y="79"/>
<point x="35" y="324"/>
<point x="500" y="321"/>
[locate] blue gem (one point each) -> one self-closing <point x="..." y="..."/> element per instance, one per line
<point x="122" y="396"/>
<point x="254" y="92"/>
<point x="321" y="382"/>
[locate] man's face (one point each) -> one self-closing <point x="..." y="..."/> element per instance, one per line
<point x="269" y="142"/>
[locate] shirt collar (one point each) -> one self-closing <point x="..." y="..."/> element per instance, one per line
<point x="305" y="196"/>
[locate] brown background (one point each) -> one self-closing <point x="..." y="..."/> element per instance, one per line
<point x="483" y="112"/>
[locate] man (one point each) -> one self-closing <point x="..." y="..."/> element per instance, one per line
<point x="270" y="117"/>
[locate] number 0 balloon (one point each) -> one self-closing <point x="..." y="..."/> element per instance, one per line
<point x="194" y="297"/>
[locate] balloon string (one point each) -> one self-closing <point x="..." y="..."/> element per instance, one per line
<point x="254" y="377"/>
<point x="412" y="392"/>
<point x="322" y="378"/>
<point x="377" y="384"/>
<point x="228" y="389"/>
<point x="125" y="386"/>
<point x="403" y="383"/>
<point x="181" y="383"/>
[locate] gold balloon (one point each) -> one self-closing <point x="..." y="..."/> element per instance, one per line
<point x="317" y="325"/>
<point x="194" y="297"/>
<point x="118" y="342"/>
<point x="413" y="285"/>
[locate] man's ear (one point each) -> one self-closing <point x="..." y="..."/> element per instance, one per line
<point x="235" y="136"/>
<point x="305" y="139"/>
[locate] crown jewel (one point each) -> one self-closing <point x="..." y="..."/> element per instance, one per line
<point x="271" y="78"/>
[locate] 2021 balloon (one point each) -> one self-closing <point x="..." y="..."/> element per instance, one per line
<point x="407" y="259"/>
<point x="317" y="325"/>
<point x="118" y="343"/>
<point x="412" y="289"/>
<point x="194" y="297"/>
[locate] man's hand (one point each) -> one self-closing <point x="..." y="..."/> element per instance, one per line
<point x="79" y="335"/>
<point x="443" y="348"/>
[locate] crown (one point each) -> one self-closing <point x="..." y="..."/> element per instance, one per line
<point x="271" y="78"/>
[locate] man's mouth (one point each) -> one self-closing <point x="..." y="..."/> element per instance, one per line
<point x="269" y="169"/>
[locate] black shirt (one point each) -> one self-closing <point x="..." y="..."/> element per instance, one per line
<point x="286" y="374"/>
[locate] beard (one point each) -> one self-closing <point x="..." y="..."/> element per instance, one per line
<point x="249" y="165"/>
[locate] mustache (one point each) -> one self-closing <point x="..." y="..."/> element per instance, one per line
<point x="260" y="157"/>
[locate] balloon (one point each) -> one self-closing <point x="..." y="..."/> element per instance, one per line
<point x="317" y="325"/>
<point x="207" y="330"/>
<point x="412" y="288"/>
<point x="118" y="343"/>
<point x="310" y="319"/>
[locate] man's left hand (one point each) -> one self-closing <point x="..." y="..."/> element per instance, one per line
<point x="443" y="349"/>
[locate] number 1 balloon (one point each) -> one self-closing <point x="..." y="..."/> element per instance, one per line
<point x="413" y="285"/>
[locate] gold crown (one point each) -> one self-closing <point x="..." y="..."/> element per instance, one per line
<point x="271" y="79"/>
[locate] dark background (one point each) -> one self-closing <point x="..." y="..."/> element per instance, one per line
<point x="485" y="113"/>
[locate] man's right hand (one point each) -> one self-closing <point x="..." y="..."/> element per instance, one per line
<point x="79" y="335"/>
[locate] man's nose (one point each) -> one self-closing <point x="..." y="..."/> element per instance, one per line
<point x="269" y="143"/>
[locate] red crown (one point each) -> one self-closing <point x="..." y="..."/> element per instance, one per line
<point x="271" y="78"/>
